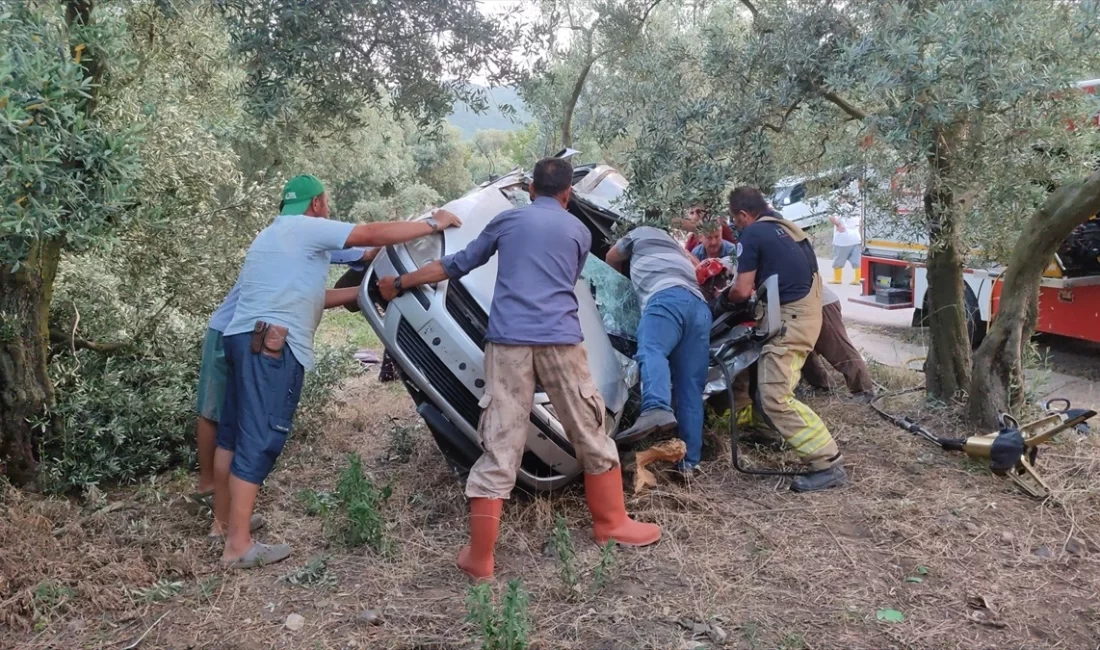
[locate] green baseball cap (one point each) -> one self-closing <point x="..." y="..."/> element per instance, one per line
<point x="298" y="192"/>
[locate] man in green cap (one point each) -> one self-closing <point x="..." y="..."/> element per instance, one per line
<point x="269" y="346"/>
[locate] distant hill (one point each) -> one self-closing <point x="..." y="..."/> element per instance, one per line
<point x="470" y="122"/>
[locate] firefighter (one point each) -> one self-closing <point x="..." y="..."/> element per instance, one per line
<point x="771" y="245"/>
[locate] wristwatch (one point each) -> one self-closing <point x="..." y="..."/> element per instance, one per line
<point x="397" y="285"/>
<point x="433" y="223"/>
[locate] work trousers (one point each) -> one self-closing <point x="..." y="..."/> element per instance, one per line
<point x="835" y="347"/>
<point x="673" y="356"/>
<point x="779" y="367"/>
<point x="511" y="372"/>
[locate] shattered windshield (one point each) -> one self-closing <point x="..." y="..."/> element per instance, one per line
<point x="615" y="299"/>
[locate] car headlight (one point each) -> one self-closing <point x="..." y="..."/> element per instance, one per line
<point x="786" y="200"/>
<point x="425" y="250"/>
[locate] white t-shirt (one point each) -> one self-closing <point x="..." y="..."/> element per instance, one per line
<point x="283" y="279"/>
<point x="850" y="236"/>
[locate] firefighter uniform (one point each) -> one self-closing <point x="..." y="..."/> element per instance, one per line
<point x="776" y="246"/>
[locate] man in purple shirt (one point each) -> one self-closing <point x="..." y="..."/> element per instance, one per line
<point x="534" y="332"/>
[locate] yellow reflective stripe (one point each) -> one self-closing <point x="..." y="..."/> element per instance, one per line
<point x="813" y="436"/>
<point x="803" y="436"/>
<point x="815" y="443"/>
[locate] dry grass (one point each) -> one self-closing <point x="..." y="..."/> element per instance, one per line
<point x="772" y="568"/>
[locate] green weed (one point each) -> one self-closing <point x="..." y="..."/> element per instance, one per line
<point x="402" y="443"/>
<point x="313" y="574"/>
<point x="500" y="628"/>
<point x="362" y="502"/>
<point x="561" y="541"/>
<point x="601" y="575"/>
<point x="161" y="591"/>
<point x="318" y="502"/>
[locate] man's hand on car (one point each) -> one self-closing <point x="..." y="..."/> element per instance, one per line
<point x="446" y="219"/>
<point x="386" y="288"/>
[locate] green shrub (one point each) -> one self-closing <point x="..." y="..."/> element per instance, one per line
<point x="126" y="416"/>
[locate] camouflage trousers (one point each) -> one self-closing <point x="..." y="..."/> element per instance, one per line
<point x="511" y="374"/>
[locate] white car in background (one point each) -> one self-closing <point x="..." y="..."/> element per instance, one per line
<point x="808" y="201"/>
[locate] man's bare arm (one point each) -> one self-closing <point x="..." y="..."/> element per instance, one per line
<point x="742" y="288"/>
<point x="340" y="297"/>
<point x="614" y="258"/>
<point x="398" y="232"/>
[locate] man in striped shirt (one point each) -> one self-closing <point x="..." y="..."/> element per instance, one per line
<point x="673" y="338"/>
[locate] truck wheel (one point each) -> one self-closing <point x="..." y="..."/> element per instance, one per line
<point x="975" y="326"/>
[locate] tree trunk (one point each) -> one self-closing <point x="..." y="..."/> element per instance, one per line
<point x="997" y="385"/>
<point x="947" y="370"/>
<point x="571" y="105"/>
<point x="26" y="395"/>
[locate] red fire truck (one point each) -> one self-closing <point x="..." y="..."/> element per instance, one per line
<point x="895" y="277"/>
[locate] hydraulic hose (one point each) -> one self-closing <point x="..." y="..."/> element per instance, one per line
<point x="910" y="425"/>
<point x="734" y="433"/>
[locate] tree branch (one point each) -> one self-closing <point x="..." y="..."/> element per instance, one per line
<point x="752" y="9"/>
<point x="59" y="337"/>
<point x="844" y="105"/>
<point x="786" y="116"/>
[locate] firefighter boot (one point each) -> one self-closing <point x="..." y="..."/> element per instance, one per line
<point x="476" y="559"/>
<point x="856" y="279"/>
<point x="838" y="275"/>
<point x="835" y="476"/>
<point x="604" y="493"/>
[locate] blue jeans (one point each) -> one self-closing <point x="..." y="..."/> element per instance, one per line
<point x="674" y="353"/>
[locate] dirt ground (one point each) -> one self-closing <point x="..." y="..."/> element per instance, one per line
<point x="962" y="556"/>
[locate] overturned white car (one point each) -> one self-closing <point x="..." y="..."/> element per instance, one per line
<point x="436" y="334"/>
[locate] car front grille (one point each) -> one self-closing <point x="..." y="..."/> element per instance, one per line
<point x="467" y="313"/>
<point x="436" y="372"/>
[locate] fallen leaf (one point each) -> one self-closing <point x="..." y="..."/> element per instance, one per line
<point x="923" y="570"/>
<point x="1075" y="546"/>
<point x="914" y="580"/>
<point x="891" y="615"/>
<point x="982" y="612"/>
<point x="709" y="630"/>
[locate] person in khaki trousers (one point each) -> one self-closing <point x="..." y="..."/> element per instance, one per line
<point x="770" y="245"/>
<point x="534" y="335"/>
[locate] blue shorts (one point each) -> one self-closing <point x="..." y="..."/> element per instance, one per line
<point x="261" y="395"/>
<point x="211" y="391"/>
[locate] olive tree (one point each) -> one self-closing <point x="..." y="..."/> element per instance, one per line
<point x="91" y="165"/>
<point x="65" y="184"/>
<point x="969" y="96"/>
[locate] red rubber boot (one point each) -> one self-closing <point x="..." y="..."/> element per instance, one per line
<point x="604" y="493"/>
<point x="476" y="558"/>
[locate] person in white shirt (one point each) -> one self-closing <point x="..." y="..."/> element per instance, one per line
<point x="847" y="243"/>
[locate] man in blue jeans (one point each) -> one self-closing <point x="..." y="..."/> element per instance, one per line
<point x="673" y="338"/>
